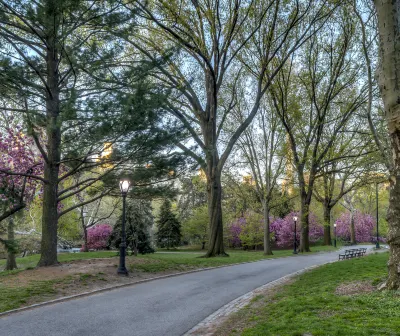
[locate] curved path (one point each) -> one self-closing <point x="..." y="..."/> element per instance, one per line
<point x="165" y="307"/>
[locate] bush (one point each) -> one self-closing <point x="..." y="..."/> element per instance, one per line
<point x="98" y="237"/>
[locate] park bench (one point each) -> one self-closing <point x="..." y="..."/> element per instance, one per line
<point x="353" y="253"/>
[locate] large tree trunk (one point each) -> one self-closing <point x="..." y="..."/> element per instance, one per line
<point x="85" y="239"/>
<point x="352" y="229"/>
<point x="327" y="225"/>
<point x="388" y="12"/>
<point x="51" y="168"/>
<point x="216" y="242"/>
<point x="11" y="261"/>
<point x="304" y="237"/>
<point x="267" y="233"/>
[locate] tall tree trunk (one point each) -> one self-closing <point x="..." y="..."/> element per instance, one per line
<point x="304" y="237"/>
<point x="267" y="233"/>
<point x="327" y="225"/>
<point x="85" y="239"/>
<point x="388" y="12"/>
<point x="51" y="168"/>
<point x="216" y="242"/>
<point x="11" y="261"/>
<point x="352" y="229"/>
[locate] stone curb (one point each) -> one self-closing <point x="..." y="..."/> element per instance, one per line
<point x="107" y="289"/>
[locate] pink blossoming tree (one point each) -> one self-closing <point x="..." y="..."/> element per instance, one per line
<point x="364" y="225"/>
<point x="98" y="236"/>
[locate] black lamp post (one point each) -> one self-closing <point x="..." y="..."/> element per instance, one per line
<point x="295" y="229"/>
<point x="334" y="233"/>
<point x="377" y="218"/>
<point x="124" y="186"/>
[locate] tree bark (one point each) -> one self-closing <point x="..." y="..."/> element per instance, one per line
<point x="52" y="163"/>
<point x="85" y="238"/>
<point x="388" y="12"/>
<point x="327" y="225"/>
<point x="11" y="260"/>
<point x="304" y="236"/>
<point x="267" y="233"/>
<point x="352" y="229"/>
<point x="216" y="242"/>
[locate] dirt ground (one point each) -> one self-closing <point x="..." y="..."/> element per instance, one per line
<point x="79" y="276"/>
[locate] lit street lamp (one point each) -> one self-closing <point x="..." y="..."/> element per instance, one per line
<point x="295" y="229"/>
<point x="377" y="218"/>
<point x="124" y="186"/>
<point x="334" y="233"/>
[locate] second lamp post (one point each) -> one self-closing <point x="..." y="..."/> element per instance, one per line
<point x="124" y="187"/>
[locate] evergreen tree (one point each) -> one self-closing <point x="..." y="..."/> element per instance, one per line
<point x="139" y="221"/>
<point x="168" y="227"/>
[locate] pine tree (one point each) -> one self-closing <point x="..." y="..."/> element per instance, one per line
<point x="168" y="227"/>
<point x="139" y="221"/>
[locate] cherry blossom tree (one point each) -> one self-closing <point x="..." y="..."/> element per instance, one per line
<point x="364" y="225"/>
<point x="98" y="236"/>
<point x="18" y="163"/>
<point x="283" y="229"/>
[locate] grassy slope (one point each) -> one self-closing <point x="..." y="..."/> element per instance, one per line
<point x="309" y="306"/>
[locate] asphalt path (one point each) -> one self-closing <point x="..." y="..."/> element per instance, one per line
<point x="164" y="307"/>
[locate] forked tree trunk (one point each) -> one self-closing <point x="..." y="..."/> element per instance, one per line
<point x="11" y="260"/>
<point x="304" y="236"/>
<point x="327" y="225"/>
<point x="267" y="233"/>
<point x="216" y="242"/>
<point x="388" y="12"/>
<point x="51" y="168"/>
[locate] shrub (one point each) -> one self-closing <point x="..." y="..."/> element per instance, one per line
<point x="98" y="236"/>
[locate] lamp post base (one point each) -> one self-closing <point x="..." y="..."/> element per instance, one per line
<point x="377" y="246"/>
<point x="122" y="271"/>
<point x="295" y="252"/>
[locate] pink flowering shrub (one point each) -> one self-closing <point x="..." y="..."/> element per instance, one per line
<point x="234" y="230"/>
<point x="283" y="229"/>
<point x="364" y="225"/>
<point x="98" y="236"/>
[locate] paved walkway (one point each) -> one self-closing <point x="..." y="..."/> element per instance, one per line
<point x="165" y="307"/>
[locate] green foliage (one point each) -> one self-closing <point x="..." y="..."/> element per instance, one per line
<point x="195" y="229"/>
<point x="252" y="235"/>
<point x="139" y="221"/>
<point x="168" y="227"/>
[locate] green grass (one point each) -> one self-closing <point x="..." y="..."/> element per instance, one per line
<point x="309" y="306"/>
<point x="183" y="261"/>
<point x="12" y="298"/>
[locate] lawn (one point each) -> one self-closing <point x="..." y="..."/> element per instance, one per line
<point x="82" y="272"/>
<point x="338" y="299"/>
<point x="167" y="259"/>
